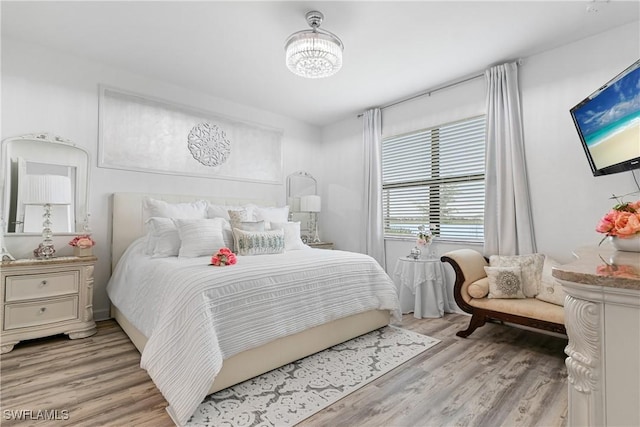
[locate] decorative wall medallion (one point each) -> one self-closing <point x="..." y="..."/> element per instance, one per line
<point x="208" y="144"/>
<point x="583" y="329"/>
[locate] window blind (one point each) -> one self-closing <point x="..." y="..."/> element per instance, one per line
<point x="436" y="176"/>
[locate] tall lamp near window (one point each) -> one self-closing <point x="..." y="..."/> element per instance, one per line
<point x="312" y="204"/>
<point x="47" y="190"/>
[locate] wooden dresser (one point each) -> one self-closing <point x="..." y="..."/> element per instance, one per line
<point x="46" y="297"/>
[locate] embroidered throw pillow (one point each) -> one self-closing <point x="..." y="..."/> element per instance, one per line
<point x="258" y="242"/>
<point x="531" y="268"/>
<point x="504" y="282"/>
<point x="236" y="216"/>
<point x="550" y="289"/>
<point x="200" y="237"/>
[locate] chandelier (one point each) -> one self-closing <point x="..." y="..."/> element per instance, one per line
<point x="314" y="53"/>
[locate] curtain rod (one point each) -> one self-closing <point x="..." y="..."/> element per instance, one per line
<point x="430" y="91"/>
<point x="452" y="83"/>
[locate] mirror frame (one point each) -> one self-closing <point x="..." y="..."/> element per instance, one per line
<point x="290" y="178"/>
<point x="82" y="183"/>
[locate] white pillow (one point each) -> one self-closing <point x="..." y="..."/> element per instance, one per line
<point x="220" y="211"/>
<point x="162" y="209"/>
<point x="550" y="289"/>
<point x="292" y="240"/>
<point x="271" y="214"/>
<point x="259" y="242"/>
<point x="200" y="237"/>
<point x="163" y="239"/>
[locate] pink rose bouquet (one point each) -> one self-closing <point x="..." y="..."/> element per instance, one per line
<point x="622" y="221"/>
<point x="85" y="241"/>
<point x="224" y="256"/>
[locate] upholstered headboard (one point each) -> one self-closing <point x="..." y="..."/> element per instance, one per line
<point x="128" y="221"/>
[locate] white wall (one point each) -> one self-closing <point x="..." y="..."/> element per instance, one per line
<point x="568" y="201"/>
<point x="48" y="91"/>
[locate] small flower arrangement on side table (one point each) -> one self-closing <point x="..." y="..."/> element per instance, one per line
<point x="622" y="225"/>
<point x="223" y="257"/>
<point x="82" y="245"/>
<point x="423" y="241"/>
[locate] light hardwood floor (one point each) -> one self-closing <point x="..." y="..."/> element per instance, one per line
<point x="499" y="376"/>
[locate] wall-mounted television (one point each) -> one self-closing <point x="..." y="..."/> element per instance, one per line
<point x="608" y="122"/>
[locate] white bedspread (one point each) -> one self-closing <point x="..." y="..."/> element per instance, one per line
<point x="196" y="315"/>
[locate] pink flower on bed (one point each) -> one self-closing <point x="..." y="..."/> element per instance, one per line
<point x="224" y="256"/>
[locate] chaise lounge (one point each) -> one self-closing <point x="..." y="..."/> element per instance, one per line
<point x="469" y="267"/>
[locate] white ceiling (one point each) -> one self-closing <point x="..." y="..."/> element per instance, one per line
<point x="234" y="50"/>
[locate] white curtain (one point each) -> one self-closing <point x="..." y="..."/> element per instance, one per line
<point x="508" y="224"/>
<point x="373" y="241"/>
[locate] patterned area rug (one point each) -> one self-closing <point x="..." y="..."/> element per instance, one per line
<point x="288" y="395"/>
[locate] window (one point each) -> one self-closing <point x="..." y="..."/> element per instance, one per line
<point x="435" y="176"/>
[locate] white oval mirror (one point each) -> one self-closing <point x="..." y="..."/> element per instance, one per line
<point x="41" y="169"/>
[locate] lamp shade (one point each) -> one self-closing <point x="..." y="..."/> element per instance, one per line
<point x="310" y="203"/>
<point x="47" y="189"/>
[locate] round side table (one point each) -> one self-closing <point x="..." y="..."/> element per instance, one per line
<point x="420" y="284"/>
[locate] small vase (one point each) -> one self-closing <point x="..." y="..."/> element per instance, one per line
<point x="631" y="244"/>
<point x="82" y="252"/>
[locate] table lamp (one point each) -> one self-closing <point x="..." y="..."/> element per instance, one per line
<point x="312" y="204"/>
<point x="47" y="190"/>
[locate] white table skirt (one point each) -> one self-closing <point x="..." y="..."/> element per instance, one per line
<point x="421" y="286"/>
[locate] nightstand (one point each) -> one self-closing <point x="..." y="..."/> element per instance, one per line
<point x="46" y="297"/>
<point x="321" y="245"/>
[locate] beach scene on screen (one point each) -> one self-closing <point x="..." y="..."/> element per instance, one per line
<point x="610" y="123"/>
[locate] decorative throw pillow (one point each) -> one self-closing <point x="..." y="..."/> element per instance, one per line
<point x="530" y="265"/>
<point x="200" y="237"/>
<point x="292" y="240"/>
<point x="259" y="242"/>
<point x="505" y="282"/>
<point x="550" y="289"/>
<point x="162" y="209"/>
<point x="479" y="288"/>
<point x="236" y="216"/>
<point x="163" y="239"/>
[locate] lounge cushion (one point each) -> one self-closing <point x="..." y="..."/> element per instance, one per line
<point x="527" y="307"/>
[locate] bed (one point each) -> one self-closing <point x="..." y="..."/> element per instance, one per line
<point x="167" y="344"/>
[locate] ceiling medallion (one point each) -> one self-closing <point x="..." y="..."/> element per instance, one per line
<point x="208" y="144"/>
<point x="314" y="53"/>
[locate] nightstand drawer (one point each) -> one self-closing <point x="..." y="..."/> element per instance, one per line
<point x="23" y="315"/>
<point x="20" y="288"/>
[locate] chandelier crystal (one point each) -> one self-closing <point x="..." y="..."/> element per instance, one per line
<point x="314" y="53"/>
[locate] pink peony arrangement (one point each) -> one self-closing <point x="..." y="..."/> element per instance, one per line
<point x="83" y="242"/>
<point x="224" y="256"/>
<point x="622" y="221"/>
